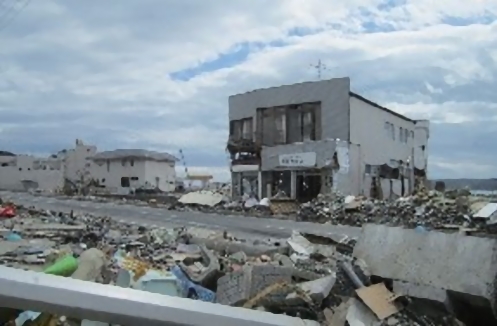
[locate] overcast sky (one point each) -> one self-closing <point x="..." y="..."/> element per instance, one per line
<point x="156" y="74"/>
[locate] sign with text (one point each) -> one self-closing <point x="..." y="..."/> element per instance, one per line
<point x="298" y="160"/>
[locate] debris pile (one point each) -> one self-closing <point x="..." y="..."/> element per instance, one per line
<point x="428" y="209"/>
<point x="308" y="276"/>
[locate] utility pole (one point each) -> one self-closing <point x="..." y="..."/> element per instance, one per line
<point x="320" y="67"/>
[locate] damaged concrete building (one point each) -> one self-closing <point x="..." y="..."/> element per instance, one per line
<point x="316" y="137"/>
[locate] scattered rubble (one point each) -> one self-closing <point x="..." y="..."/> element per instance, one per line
<point x="458" y="211"/>
<point x="311" y="277"/>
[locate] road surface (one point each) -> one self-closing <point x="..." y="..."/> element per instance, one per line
<point x="157" y="217"/>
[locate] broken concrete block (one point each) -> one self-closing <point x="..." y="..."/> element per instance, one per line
<point x="239" y="257"/>
<point x="455" y="262"/>
<point x="208" y="274"/>
<point x="300" y="245"/>
<point x="230" y="247"/>
<point x="237" y="287"/>
<point x="420" y="291"/>
<point x="317" y="290"/>
<point x="359" y="315"/>
<point x="90" y="265"/>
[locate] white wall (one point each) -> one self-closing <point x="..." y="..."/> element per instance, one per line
<point x="11" y="177"/>
<point x="109" y="175"/>
<point x="164" y="171"/>
<point x="367" y="128"/>
<point x="76" y="161"/>
<point x="421" y="136"/>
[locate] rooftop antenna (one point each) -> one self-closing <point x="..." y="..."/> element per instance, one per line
<point x="320" y="67"/>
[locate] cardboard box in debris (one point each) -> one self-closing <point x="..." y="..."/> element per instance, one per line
<point x="310" y="277"/>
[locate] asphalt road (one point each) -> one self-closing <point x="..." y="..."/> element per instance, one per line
<point x="157" y="217"/>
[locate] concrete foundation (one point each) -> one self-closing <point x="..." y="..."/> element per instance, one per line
<point x="453" y="262"/>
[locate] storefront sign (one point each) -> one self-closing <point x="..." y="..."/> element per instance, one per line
<point x="298" y="160"/>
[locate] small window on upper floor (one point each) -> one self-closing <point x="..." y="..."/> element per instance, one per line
<point x="134" y="178"/>
<point x="132" y="162"/>
<point x="20" y="169"/>
<point x="392" y="130"/>
<point x="401" y="134"/>
<point x="412" y="134"/>
<point x="406" y="135"/>
<point x="123" y="162"/>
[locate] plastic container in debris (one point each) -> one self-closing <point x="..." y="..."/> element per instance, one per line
<point x="64" y="267"/>
<point x="191" y="290"/>
<point x="12" y="236"/>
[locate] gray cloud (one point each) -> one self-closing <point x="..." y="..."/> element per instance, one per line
<point x="101" y="72"/>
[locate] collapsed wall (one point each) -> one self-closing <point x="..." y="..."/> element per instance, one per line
<point x="450" y="262"/>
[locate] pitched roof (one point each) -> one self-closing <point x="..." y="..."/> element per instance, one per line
<point x="136" y="153"/>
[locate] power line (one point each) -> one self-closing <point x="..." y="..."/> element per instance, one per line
<point x="12" y="17"/>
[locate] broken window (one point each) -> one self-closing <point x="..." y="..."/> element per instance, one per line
<point x="247" y="129"/>
<point x="301" y="123"/>
<point x="241" y="129"/>
<point x="280" y="125"/>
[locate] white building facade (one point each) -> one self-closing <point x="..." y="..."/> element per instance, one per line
<point x="314" y="137"/>
<point x="24" y="172"/>
<point x="123" y="170"/>
<point x="118" y="171"/>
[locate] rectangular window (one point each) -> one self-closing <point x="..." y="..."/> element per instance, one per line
<point x="134" y="178"/>
<point x="108" y="165"/>
<point x="401" y="134"/>
<point x="406" y="135"/>
<point x="241" y="129"/>
<point x="247" y="129"/>
<point x="307" y="126"/>
<point x="132" y="162"/>
<point x="280" y="125"/>
<point x="125" y="182"/>
<point x="392" y="131"/>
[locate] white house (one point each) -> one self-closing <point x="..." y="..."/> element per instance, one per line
<point x="123" y="169"/>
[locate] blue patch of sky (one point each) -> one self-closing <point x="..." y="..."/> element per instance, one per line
<point x="238" y="54"/>
<point x="373" y="27"/>
<point x="370" y="25"/>
<point x="390" y="4"/>
<point x="486" y="19"/>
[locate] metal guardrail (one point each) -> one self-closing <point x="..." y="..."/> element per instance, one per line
<point x="111" y="304"/>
